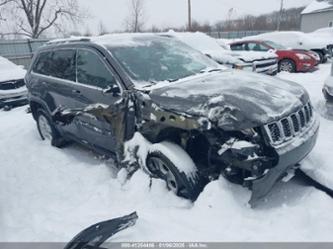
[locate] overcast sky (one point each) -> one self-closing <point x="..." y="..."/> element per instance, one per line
<point x="166" y="13"/>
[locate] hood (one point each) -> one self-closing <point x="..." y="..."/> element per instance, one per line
<point x="10" y="71"/>
<point x="232" y="100"/>
<point x="12" y="74"/>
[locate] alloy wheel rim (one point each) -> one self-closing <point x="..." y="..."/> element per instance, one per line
<point x="286" y="67"/>
<point x="158" y="167"/>
<point x="45" y="128"/>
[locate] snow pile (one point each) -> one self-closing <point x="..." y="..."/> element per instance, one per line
<point x="138" y="148"/>
<point x="207" y="46"/>
<point x="10" y="71"/>
<point x="318" y="5"/>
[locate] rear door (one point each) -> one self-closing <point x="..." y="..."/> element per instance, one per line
<point x="56" y="79"/>
<point x="102" y="120"/>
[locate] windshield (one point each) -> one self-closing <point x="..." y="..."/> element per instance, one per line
<point x="157" y="59"/>
<point x="275" y="45"/>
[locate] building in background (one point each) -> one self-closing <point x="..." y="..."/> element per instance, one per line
<point x="318" y="14"/>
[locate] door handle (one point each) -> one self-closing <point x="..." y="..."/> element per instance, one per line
<point x="76" y="91"/>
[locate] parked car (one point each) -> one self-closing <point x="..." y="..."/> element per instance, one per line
<point x="12" y="88"/>
<point x="290" y="60"/>
<point x="298" y="40"/>
<point x="328" y="87"/>
<point x="264" y="62"/>
<point x="327" y="35"/>
<point x="153" y="102"/>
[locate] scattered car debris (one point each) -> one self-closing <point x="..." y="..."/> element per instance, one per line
<point x="95" y="235"/>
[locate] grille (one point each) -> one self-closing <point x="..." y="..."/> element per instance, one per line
<point x="9" y="85"/>
<point x="286" y="127"/>
<point x="290" y="126"/>
<point x="274" y="131"/>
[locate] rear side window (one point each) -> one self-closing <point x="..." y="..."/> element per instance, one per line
<point x="59" y="64"/>
<point x="92" y="71"/>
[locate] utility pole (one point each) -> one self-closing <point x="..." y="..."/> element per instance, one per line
<point x="280" y="16"/>
<point x="189" y="16"/>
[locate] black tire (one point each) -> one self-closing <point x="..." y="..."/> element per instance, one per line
<point x="186" y="186"/>
<point x="7" y="108"/>
<point x="287" y="65"/>
<point x="55" y="138"/>
<point x="323" y="58"/>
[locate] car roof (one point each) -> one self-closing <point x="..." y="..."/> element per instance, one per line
<point x="110" y="40"/>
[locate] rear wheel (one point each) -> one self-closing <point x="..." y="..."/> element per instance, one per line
<point x="287" y="65"/>
<point x="172" y="164"/>
<point x="47" y="130"/>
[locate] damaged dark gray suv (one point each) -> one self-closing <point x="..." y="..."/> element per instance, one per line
<point x="151" y="101"/>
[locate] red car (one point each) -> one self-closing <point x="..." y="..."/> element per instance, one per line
<point x="290" y="60"/>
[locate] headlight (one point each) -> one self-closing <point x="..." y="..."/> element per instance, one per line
<point x="303" y="57"/>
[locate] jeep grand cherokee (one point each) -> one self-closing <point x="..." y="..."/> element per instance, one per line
<point x="152" y="101"/>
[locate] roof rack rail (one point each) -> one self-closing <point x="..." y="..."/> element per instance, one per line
<point x="68" y="40"/>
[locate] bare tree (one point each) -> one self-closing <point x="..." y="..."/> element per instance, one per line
<point x="33" y="17"/>
<point x="136" y="19"/>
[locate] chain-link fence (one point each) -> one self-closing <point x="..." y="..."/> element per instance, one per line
<point x="20" y="51"/>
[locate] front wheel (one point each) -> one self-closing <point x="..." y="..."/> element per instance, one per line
<point x="287" y="65"/>
<point x="172" y="164"/>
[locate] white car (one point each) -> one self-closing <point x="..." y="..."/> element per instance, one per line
<point x="13" y="91"/>
<point x="298" y="40"/>
<point x="328" y="87"/>
<point x="264" y="62"/>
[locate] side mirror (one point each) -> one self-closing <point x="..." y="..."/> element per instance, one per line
<point x="114" y="89"/>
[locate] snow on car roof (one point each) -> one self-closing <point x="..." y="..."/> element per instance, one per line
<point x="294" y="39"/>
<point x="318" y="6"/>
<point x="125" y="39"/>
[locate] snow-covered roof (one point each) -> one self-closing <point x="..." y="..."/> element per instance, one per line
<point x="318" y="6"/>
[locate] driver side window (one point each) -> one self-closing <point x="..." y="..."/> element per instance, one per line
<point x="92" y="71"/>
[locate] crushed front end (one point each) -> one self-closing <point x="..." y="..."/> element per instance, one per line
<point x="258" y="158"/>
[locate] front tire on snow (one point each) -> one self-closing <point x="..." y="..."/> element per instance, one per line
<point x="183" y="180"/>
<point x="47" y="130"/>
<point x="287" y="65"/>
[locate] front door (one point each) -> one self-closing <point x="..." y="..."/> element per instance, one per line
<point x="102" y="120"/>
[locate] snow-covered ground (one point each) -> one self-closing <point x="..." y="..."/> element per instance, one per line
<point x="50" y="194"/>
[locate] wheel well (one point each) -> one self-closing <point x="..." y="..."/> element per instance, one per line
<point x="196" y="144"/>
<point x="288" y="59"/>
<point x="170" y="134"/>
<point x="34" y="106"/>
